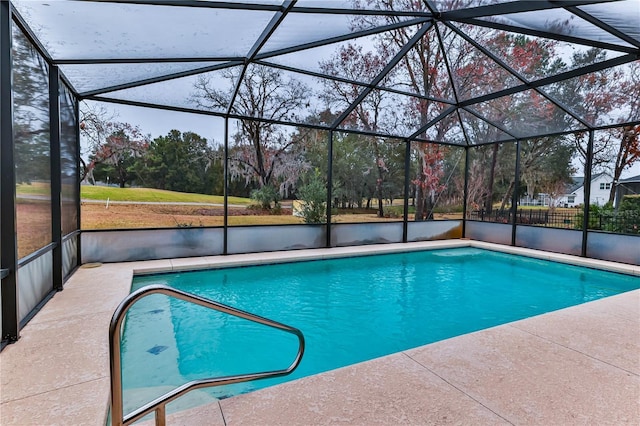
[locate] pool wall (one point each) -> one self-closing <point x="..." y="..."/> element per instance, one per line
<point x="149" y="244"/>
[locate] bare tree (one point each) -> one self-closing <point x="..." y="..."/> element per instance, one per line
<point x="262" y="152"/>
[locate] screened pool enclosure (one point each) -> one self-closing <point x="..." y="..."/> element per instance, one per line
<point x="334" y="122"/>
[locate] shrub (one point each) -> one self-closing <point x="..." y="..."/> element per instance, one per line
<point x="630" y="203"/>
<point x="604" y="218"/>
<point x="394" y="211"/>
<point x="629" y="211"/>
<point x="265" y="196"/>
<point x="313" y="194"/>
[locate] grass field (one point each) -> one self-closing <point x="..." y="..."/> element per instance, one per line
<point x="141" y="211"/>
<point x="88" y="192"/>
<point x="35" y="188"/>
<point x="127" y="216"/>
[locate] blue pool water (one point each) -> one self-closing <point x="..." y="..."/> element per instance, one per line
<point x="350" y="310"/>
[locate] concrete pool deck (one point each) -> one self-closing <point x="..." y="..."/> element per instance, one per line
<point x="579" y="365"/>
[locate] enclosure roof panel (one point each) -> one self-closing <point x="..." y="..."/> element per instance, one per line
<point x="450" y="71"/>
<point x="558" y="21"/>
<point x="183" y="92"/>
<point x="102" y="77"/>
<point x="624" y="16"/>
<point x="104" y="30"/>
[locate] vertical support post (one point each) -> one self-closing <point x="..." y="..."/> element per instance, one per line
<point x="76" y="110"/>
<point x="161" y="415"/>
<point x="8" y="248"/>
<point x="225" y="226"/>
<point x="329" y="186"/>
<point x="466" y="191"/>
<point x="407" y="178"/>
<point x="56" y="179"/>
<point x="587" y="193"/>
<point x="514" y="196"/>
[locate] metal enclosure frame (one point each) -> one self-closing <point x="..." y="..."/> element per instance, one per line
<point x="428" y="19"/>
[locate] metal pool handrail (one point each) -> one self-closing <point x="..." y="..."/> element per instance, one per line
<point x="159" y="404"/>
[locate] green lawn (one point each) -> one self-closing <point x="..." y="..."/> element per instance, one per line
<point x="35" y="188"/>
<point x="89" y="192"/>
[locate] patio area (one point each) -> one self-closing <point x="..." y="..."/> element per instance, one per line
<point x="579" y="365"/>
<point x="142" y="136"/>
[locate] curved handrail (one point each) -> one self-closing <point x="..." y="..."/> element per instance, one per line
<point x="158" y="405"/>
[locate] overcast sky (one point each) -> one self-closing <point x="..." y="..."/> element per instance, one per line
<point x="157" y="122"/>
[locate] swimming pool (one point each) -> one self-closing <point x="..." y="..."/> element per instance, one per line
<point x="350" y="310"/>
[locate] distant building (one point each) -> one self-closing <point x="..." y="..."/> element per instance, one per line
<point x="628" y="186"/>
<point x="600" y="189"/>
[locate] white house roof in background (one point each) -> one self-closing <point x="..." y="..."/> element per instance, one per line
<point x="578" y="181"/>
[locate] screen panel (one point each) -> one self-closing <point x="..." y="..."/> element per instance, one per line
<point x="555" y="240"/>
<point x="357" y="234"/>
<point x="148" y="244"/>
<point x="32" y="149"/>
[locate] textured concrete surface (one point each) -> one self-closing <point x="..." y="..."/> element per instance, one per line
<point x="387" y="391"/>
<point x="579" y="365"/>
<point x="541" y="371"/>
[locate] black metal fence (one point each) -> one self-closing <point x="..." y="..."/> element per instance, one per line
<point x="611" y="221"/>
<point x="555" y="219"/>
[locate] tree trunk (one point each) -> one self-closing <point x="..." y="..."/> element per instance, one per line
<point x="429" y="206"/>
<point x="612" y="193"/>
<point x="419" y="203"/>
<point x="379" y="194"/>
<point x="507" y="194"/>
<point x="492" y="170"/>
<point x="122" y="177"/>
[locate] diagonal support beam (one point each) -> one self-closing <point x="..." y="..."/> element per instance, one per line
<point x="24" y="27"/>
<point x="515" y="73"/>
<point x="271" y="27"/>
<point x="382" y="74"/>
<point x="349" y="81"/>
<point x="431" y="123"/>
<point x="464" y="131"/>
<point x="453" y="83"/>
<point x="553" y="79"/>
<point x="489" y="122"/>
<point x="341" y="38"/>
